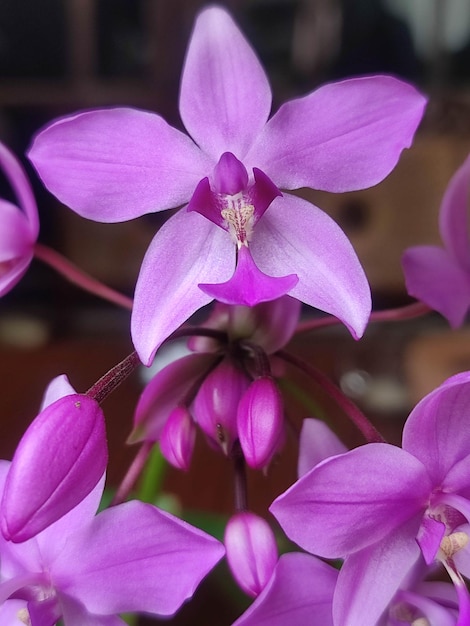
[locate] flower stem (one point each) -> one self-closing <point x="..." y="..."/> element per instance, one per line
<point x="370" y="433"/>
<point x="112" y="379"/>
<point x="240" y="486"/>
<point x="76" y="276"/>
<point x="410" y="311"/>
<point x="132" y="474"/>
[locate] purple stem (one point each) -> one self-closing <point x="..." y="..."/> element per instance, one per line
<point x="357" y="417"/>
<point x="112" y="379"/>
<point x="76" y="276"/>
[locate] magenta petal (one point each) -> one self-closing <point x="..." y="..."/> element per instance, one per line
<point x="317" y="443"/>
<point x="350" y="501"/>
<point x="134" y="557"/>
<point x="297" y="237"/>
<point x="58" y="388"/>
<point x="300" y="593"/>
<point x="187" y="250"/>
<point x="436" y="279"/>
<point x="59" y="460"/>
<point x="429" y="537"/>
<point x="178" y="437"/>
<point x="251" y="551"/>
<point x="343" y="136"/>
<point x="16" y="245"/>
<point x="230" y="175"/>
<point x="453" y="216"/>
<point x="164" y="392"/>
<point x="437" y="432"/>
<point x="112" y="165"/>
<point x="205" y="202"/>
<point x="371" y="577"/>
<point x="249" y="285"/>
<point x="75" y="614"/>
<point x="225" y="96"/>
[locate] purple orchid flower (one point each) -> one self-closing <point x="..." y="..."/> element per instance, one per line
<point x="440" y="277"/>
<point x="20" y="224"/>
<point x="300" y="591"/>
<point x="385" y="509"/>
<point x="86" y="569"/>
<point x="238" y="240"/>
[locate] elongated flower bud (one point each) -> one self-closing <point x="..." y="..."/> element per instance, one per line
<point x="177" y="438"/>
<point x="260" y="422"/>
<point x="251" y="551"/>
<point x="59" y="460"/>
<point x="215" y="406"/>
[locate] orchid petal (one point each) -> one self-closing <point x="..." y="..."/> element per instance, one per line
<point x="58" y="388"/>
<point x="164" y="392"/>
<point x="12" y="272"/>
<point x="113" y="165"/>
<point x="134" y="557"/>
<point x="249" y="285"/>
<point x="299" y="592"/>
<point x="225" y="95"/>
<point x="15" y="235"/>
<point x="344" y="136"/>
<point x="10" y="611"/>
<point x="295" y="236"/>
<point x="429" y="537"/>
<point x="435" y="278"/>
<point x="434" y="613"/>
<point x="22" y="188"/>
<point x="371" y="577"/>
<point x="58" y="461"/>
<point x="75" y="614"/>
<point x="430" y="433"/>
<point x="453" y="216"/>
<point x="178" y="437"/>
<point x="317" y="443"/>
<point x="187" y="250"/>
<point x="349" y="501"/>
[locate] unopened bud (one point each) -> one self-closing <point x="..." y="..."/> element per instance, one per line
<point x="251" y="551"/>
<point x="177" y="438"/>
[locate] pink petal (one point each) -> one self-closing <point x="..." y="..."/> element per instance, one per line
<point x="134" y="557"/>
<point x="344" y="136"/>
<point x="178" y="437"/>
<point x="113" y="165"/>
<point x="59" y="460"/>
<point x="299" y="593"/>
<point x="22" y="188"/>
<point x="164" y="392"/>
<point x="436" y="279"/>
<point x="453" y="216"/>
<point x="225" y="96"/>
<point x="75" y="614"/>
<point x="250" y="286"/>
<point x="317" y="443"/>
<point x="370" y="578"/>
<point x="294" y="236"/>
<point x="186" y="251"/>
<point x="58" y="388"/>
<point x="429" y="538"/>
<point x="437" y="432"/>
<point x="16" y="245"/>
<point x="251" y="551"/>
<point x="353" y="500"/>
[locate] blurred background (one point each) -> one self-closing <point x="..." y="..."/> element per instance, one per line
<point x="60" y="56"/>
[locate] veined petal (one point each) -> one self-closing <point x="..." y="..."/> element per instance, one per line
<point x="58" y="461"/>
<point x="225" y="95"/>
<point x="436" y="279"/>
<point x="437" y="431"/>
<point x="134" y="557"/>
<point x="113" y="165"/>
<point x="300" y="592"/>
<point x="453" y="216"/>
<point x="350" y="501"/>
<point x="342" y="137"/>
<point x="294" y="236"/>
<point x="186" y="251"/>
<point x="370" y="578"/>
<point x="249" y="285"/>
<point x="22" y="188"/>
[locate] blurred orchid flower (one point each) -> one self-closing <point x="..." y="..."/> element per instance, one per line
<point x="238" y="240"/>
<point x="87" y="568"/>
<point x="20" y="223"/>
<point x="440" y="277"/>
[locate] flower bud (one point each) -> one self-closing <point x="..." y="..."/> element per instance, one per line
<point x="251" y="551"/>
<point x="215" y="406"/>
<point x="59" y="460"/>
<point x="177" y="438"/>
<point x="260" y="421"/>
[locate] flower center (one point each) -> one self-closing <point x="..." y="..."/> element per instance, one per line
<point x="238" y="217"/>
